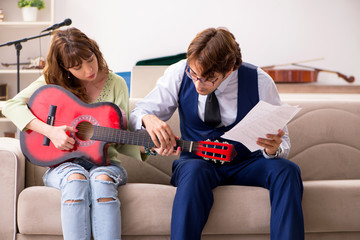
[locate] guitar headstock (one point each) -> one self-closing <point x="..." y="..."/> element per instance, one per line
<point x="215" y="151"/>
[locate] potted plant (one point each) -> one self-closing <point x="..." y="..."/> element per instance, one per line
<point x="30" y="8"/>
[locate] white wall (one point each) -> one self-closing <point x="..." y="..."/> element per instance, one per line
<point x="268" y="31"/>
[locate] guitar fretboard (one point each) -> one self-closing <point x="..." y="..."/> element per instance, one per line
<point x="139" y="138"/>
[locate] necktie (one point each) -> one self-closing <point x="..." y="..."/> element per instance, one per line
<point x="212" y="111"/>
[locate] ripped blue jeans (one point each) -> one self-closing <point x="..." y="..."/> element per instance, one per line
<point x="81" y="210"/>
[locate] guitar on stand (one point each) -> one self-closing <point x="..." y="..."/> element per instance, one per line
<point x="37" y="63"/>
<point x="97" y="125"/>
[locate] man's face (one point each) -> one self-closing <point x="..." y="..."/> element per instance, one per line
<point x="204" y="86"/>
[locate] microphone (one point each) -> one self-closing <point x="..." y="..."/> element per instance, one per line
<point x="66" y="22"/>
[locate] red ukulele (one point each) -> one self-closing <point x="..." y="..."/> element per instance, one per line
<point x="97" y="125"/>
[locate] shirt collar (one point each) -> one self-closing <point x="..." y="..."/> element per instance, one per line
<point x="232" y="77"/>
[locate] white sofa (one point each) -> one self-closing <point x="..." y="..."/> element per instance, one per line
<point x="325" y="145"/>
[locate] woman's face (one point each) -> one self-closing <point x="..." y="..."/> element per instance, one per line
<point x="87" y="70"/>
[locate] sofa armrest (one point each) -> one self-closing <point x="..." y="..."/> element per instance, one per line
<point x="12" y="174"/>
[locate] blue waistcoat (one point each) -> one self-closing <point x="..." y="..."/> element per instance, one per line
<point x="194" y="129"/>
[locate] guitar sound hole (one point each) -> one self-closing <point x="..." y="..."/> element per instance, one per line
<point x="85" y="131"/>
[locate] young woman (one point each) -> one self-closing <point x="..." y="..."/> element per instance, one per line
<point x="89" y="192"/>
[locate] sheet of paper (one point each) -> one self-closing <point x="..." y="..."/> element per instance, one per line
<point x="264" y="118"/>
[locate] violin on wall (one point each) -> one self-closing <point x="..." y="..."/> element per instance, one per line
<point x="300" y="75"/>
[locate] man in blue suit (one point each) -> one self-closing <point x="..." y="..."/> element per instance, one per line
<point x="214" y="73"/>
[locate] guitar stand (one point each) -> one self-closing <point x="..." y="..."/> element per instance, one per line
<point x="18" y="47"/>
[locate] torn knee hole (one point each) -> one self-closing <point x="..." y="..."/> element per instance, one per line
<point x="105" y="199"/>
<point x="104" y="177"/>
<point x="73" y="201"/>
<point x="76" y="176"/>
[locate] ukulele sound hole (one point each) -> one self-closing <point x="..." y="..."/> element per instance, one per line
<point x="85" y="131"/>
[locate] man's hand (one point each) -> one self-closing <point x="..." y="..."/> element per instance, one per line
<point x="272" y="142"/>
<point x="160" y="133"/>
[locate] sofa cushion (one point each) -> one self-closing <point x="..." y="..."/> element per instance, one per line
<point x="324" y="139"/>
<point x="12" y="172"/>
<point x="153" y="204"/>
<point x="146" y="210"/>
<point x="39" y="211"/>
<point x="329" y="206"/>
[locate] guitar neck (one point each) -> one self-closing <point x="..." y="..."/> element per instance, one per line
<point x="139" y="138"/>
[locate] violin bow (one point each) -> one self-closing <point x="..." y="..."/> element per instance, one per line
<point x="293" y="63"/>
<point x="340" y="75"/>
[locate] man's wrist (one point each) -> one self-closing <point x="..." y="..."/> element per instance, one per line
<point x="276" y="154"/>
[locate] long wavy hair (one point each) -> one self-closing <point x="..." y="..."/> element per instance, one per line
<point x="215" y="51"/>
<point x="68" y="49"/>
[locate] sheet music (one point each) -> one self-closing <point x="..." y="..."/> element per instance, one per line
<point x="264" y="118"/>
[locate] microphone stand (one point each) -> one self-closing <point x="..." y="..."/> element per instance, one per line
<point x="18" y="47"/>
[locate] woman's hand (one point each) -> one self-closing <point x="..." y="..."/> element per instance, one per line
<point x="57" y="134"/>
<point x="168" y="152"/>
<point x="161" y="151"/>
<point x="272" y="142"/>
<point x="59" y="137"/>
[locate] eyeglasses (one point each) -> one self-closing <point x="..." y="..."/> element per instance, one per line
<point x="192" y="75"/>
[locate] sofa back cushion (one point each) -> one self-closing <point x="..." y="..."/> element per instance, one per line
<point x="324" y="139"/>
<point x="324" y="143"/>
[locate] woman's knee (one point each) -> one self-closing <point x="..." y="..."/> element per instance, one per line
<point x="76" y="176"/>
<point x="76" y="188"/>
<point x="104" y="188"/>
<point x="104" y="177"/>
<point x="113" y="173"/>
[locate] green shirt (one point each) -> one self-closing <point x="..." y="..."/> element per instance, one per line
<point x="114" y="90"/>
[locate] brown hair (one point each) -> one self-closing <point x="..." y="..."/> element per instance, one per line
<point x="68" y="49"/>
<point x="215" y="51"/>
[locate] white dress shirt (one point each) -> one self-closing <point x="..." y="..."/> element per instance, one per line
<point x="162" y="101"/>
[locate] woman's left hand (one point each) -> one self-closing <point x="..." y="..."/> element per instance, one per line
<point x="166" y="152"/>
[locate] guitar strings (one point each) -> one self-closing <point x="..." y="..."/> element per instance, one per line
<point x="80" y="127"/>
<point x="83" y="129"/>
<point x="140" y="138"/>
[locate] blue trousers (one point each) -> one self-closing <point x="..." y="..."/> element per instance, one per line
<point x="195" y="178"/>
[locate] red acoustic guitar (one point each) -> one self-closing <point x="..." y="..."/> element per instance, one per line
<point x="98" y="124"/>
